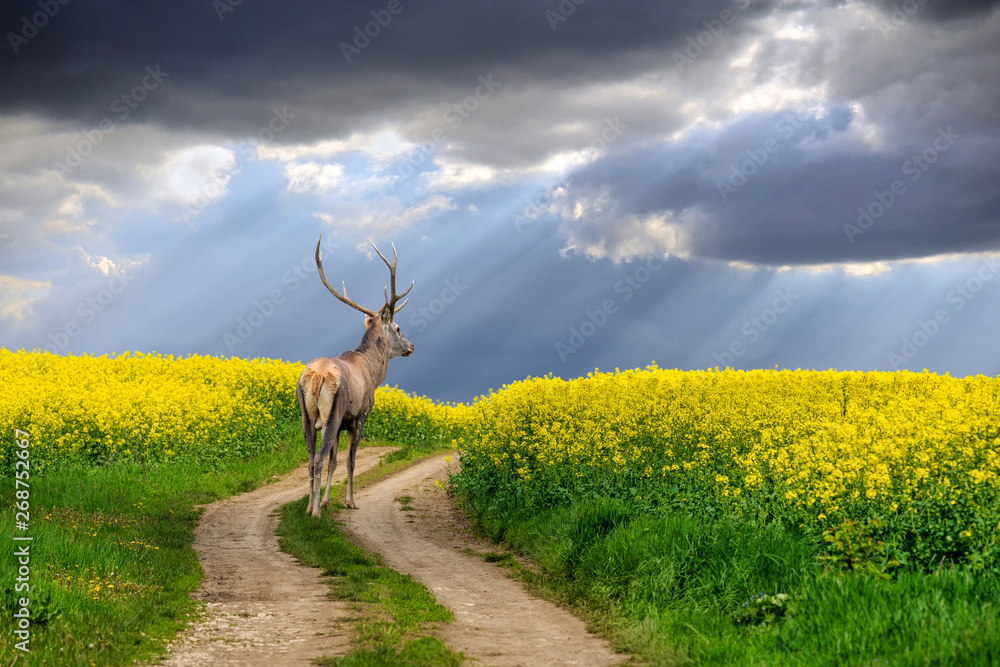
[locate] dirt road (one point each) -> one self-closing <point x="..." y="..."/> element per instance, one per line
<point x="496" y="622"/>
<point x="264" y="609"/>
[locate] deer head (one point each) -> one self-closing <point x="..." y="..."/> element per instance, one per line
<point x="381" y="319"/>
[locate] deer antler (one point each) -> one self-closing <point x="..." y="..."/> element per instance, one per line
<point x="390" y="302"/>
<point x="319" y="265"/>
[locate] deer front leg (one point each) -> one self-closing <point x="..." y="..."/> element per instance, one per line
<point x="352" y="453"/>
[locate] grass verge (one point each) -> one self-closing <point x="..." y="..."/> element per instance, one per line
<point x="397" y="617"/>
<point x="677" y="590"/>
<point x="112" y="566"/>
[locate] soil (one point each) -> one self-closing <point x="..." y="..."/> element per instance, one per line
<point x="263" y="608"/>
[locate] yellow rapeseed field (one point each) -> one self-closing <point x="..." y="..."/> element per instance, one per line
<point x="153" y="408"/>
<point x="143" y="406"/>
<point x="917" y="451"/>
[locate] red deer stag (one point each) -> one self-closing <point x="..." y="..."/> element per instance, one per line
<point x="336" y="394"/>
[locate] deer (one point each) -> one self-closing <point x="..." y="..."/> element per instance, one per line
<point x="336" y="394"/>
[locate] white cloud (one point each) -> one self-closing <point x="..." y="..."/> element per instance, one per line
<point x="593" y="228"/>
<point x="200" y="172"/>
<point x="391" y="217"/>
<point x="99" y="262"/>
<point x="382" y="146"/>
<point x="458" y="175"/>
<point x="17" y="295"/>
<point x="313" y="177"/>
<point x="74" y="213"/>
<point x="867" y="269"/>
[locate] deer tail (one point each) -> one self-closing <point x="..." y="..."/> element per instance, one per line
<point x="319" y="389"/>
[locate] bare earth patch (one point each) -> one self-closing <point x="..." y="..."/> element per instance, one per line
<point x="265" y="609"/>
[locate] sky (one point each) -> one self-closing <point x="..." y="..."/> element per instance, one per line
<point x="570" y="184"/>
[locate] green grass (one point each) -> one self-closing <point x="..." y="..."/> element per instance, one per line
<point x="682" y="590"/>
<point x="397" y="618"/>
<point x="112" y="563"/>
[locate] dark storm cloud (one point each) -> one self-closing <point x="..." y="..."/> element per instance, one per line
<point x="936" y="11"/>
<point x="224" y="66"/>
<point x="782" y="189"/>
<point x="713" y="162"/>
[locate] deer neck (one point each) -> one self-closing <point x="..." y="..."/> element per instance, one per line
<point x="374" y="349"/>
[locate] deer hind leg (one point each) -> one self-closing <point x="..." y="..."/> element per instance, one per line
<point x="329" y="472"/>
<point x="329" y="438"/>
<point x="352" y="453"/>
<point x="309" y="435"/>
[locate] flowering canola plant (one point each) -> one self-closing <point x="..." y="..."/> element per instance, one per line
<point x="143" y="407"/>
<point x="917" y="451"/>
<point x="153" y="409"/>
